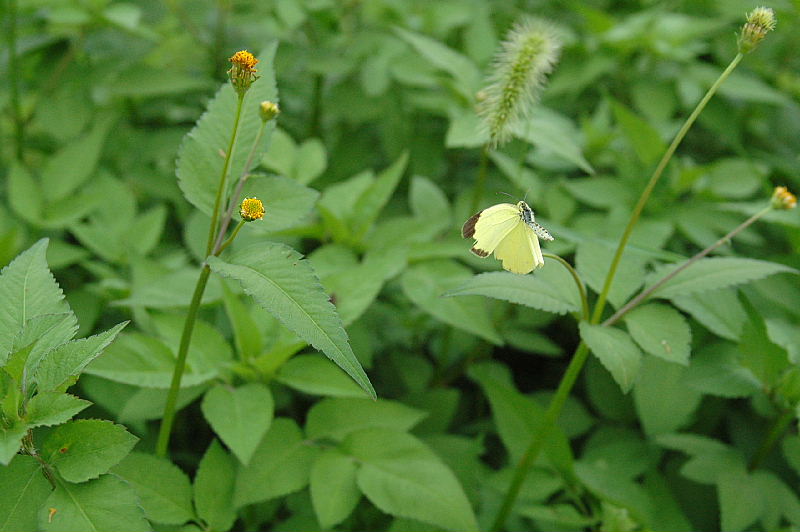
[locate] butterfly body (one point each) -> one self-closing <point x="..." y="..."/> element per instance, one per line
<point x="511" y="233"/>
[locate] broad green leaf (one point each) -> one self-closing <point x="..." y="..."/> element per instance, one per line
<point x="281" y="465"/>
<point x="199" y="164"/>
<point x="741" y="500"/>
<point x="164" y="491"/>
<point x="593" y="260"/>
<point x="519" y="419"/>
<point x="239" y="416"/>
<point x="27" y="290"/>
<point x="661" y="331"/>
<point x="643" y="138"/>
<point x="24" y="194"/>
<point x="209" y="351"/>
<point x="334" y="492"/>
<point x="107" y="503"/>
<point x="247" y="337"/>
<point x="759" y="354"/>
<point x="315" y="375"/>
<point x="425" y="283"/>
<point x="663" y="399"/>
<point x="336" y="418"/>
<point x="310" y="161"/>
<point x="282" y="153"/>
<point x="551" y="289"/>
<point x="87" y="448"/>
<point x="606" y="485"/>
<point x="10" y="441"/>
<point x="615" y="350"/>
<point x="720" y="311"/>
<point x="546" y="129"/>
<point x="143" y="360"/>
<point x="337" y="203"/>
<point x="712" y="273"/>
<point x="24" y="488"/>
<point x="428" y="202"/>
<point x="286" y="202"/>
<point x="62" y="364"/>
<point x="53" y="408"/>
<point x="286" y="286"/>
<point x="371" y="202"/>
<point x="38" y="337"/>
<point x="402" y="477"/>
<point x="213" y="488"/>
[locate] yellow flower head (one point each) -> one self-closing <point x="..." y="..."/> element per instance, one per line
<point x="760" y="21"/>
<point x="251" y="209"/>
<point x="783" y="199"/>
<point x="269" y="110"/>
<point x="243" y="71"/>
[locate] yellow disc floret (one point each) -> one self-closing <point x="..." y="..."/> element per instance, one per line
<point x="251" y="209"/>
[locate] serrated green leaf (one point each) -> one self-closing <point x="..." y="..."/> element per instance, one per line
<point x="107" y="503"/>
<point x="38" y="337"/>
<point x="27" y="290"/>
<point x="336" y="418"/>
<point x="555" y="133"/>
<point x="239" y="416"/>
<point x="759" y="354"/>
<point x="10" y="441"/>
<point x="605" y="484"/>
<point x="593" y="259"/>
<point x="655" y="394"/>
<point x="402" y="477"/>
<point x="52" y="408"/>
<point x="720" y="311"/>
<point x="712" y="273"/>
<point x="315" y="375"/>
<point x="60" y="365"/>
<point x="24" y="488"/>
<point x="717" y="370"/>
<point x="164" y="491"/>
<point x="87" y="448"/>
<point x="615" y="350"/>
<point x="425" y="283"/>
<point x="286" y="202"/>
<point x="740" y="500"/>
<point x="371" y="202"/>
<point x="213" y="488"/>
<point x="551" y="289"/>
<point x="334" y="491"/>
<point x="661" y="331"/>
<point x="280" y="465"/>
<point x="200" y="162"/>
<point x="286" y="286"/>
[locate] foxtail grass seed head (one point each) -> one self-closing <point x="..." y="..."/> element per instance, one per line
<point x="251" y="209"/>
<point x="520" y="67"/>
<point x="268" y="110"/>
<point x="242" y="72"/>
<point x="759" y="22"/>
<point x="783" y="199"/>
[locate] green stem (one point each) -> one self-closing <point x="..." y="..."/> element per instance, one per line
<point x="480" y="184"/>
<point x="630" y="305"/>
<point x="230" y="238"/>
<point x="13" y="78"/>
<point x="212" y="231"/>
<point x="776" y="431"/>
<point x="30" y="449"/>
<point x="637" y="211"/>
<point x="578" y="282"/>
<point x="180" y="363"/>
<point x="537" y="442"/>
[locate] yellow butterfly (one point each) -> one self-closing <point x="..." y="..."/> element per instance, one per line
<point x="509" y="231"/>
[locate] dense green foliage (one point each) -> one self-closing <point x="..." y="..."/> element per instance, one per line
<point x="114" y="128"/>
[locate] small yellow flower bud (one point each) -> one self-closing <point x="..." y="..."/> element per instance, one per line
<point x="783" y="199"/>
<point x="243" y="72"/>
<point x="269" y="110"/>
<point x="251" y="209"/>
<point x="760" y="21"/>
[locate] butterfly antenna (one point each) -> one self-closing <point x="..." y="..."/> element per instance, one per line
<point x="506" y="194"/>
<point x="526" y="194"/>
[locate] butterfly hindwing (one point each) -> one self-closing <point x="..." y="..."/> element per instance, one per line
<point x="516" y="251"/>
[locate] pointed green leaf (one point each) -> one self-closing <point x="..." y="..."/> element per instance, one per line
<point x="24" y="489"/>
<point x="63" y="363"/>
<point x="240" y="416"/>
<point x="662" y="331"/>
<point x="551" y="289"/>
<point x="334" y="492"/>
<point x="403" y="477"/>
<point x="713" y="273"/>
<point x="593" y="259"/>
<point x="720" y="311"/>
<point x="10" y="441"/>
<point x="615" y="350"/>
<point x="164" y="491"/>
<point x="53" y="408"/>
<point x="24" y="194"/>
<point x="201" y="155"/>
<point x="336" y="418"/>
<point x="107" y="503"/>
<point x="87" y="448"/>
<point x="741" y="500"/>
<point x="213" y="488"/>
<point x="655" y="393"/>
<point x="285" y="285"/>
<point x="27" y="290"/>
<point x="316" y="375"/>
<point x="369" y="204"/>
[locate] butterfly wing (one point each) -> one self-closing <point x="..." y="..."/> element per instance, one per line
<point x="516" y="250"/>
<point x="491" y="226"/>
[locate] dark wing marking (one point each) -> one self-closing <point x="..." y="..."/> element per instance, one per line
<point x="469" y="226"/>
<point x="480" y="252"/>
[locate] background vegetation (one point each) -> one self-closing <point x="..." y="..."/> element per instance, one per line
<point x="370" y="172"/>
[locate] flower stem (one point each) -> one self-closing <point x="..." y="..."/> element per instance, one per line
<point x="775" y="432"/>
<point x="230" y="238"/>
<point x="578" y="282"/>
<point x="212" y="231"/>
<point x="637" y="211"/>
<point x="645" y="293"/>
<point x="480" y="184"/>
<point x="582" y="351"/>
